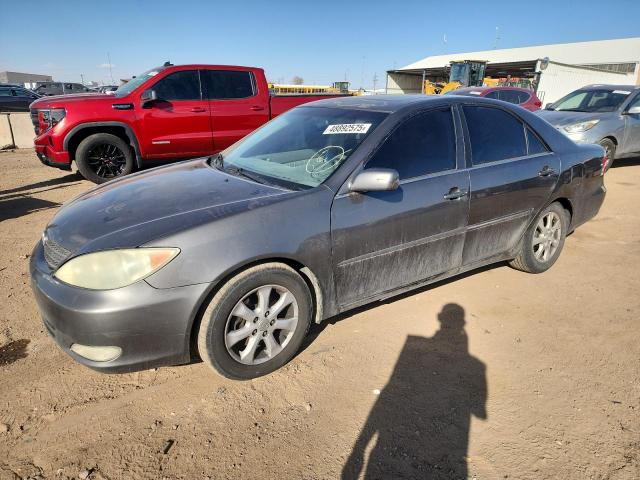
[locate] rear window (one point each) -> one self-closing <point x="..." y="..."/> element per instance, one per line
<point x="494" y="134"/>
<point x="227" y="84"/>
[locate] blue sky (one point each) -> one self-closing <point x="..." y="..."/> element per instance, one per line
<point x="321" y="41"/>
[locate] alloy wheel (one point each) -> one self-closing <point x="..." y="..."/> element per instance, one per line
<point x="261" y="324"/>
<point x="546" y="237"/>
<point x="106" y="160"/>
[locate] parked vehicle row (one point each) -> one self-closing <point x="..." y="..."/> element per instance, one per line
<point x="329" y="206"/>
<point x="16" y="98"/>
<point x="167" y="113"/>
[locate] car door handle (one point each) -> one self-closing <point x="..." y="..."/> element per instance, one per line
<point x="455" y="193"/>
<point x="546" y="171"/>
<point x="198" y="109"/>
<point x="257" y="108"/>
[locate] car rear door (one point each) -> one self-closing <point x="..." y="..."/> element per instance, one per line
<point x="386" y="240"/>
<point x="631" y="142"/>
<point x="512" y="175"/>
<point x="177" y="124"/>
<point x="236" y="108"/>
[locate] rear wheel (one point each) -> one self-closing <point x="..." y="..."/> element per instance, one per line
<point x="256" y="322"/>
<point x="610" y="150"/>
<point x="543" y="241"/>
<point x="102" y="157"/>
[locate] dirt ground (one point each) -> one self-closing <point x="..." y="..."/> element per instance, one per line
<point x="498" y="374"/>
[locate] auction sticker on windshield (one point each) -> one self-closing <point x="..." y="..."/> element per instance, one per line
<point x="347" y="128"/>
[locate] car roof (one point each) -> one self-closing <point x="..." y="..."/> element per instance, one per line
<point x="395" y="103"/>
<point x="489" y="89"/>
<point x="605" y="86"/>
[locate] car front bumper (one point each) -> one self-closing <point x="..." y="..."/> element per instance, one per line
<point x="151" y="326"/>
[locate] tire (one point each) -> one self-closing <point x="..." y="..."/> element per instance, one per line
<point x="223" y="351"/>
<point x="532" y="258"/>
<point x="102" y="157"/>
<point x="610" y="148"/>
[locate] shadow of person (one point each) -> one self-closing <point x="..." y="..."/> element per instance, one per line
<point x="421" y="419"/>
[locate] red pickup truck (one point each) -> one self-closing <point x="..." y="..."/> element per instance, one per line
<point x="167" y="113"/>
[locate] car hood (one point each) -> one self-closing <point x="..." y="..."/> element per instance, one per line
<point x="139" y="208"/>
<point x="559" y="119"/>
<point x="62" y="100"/>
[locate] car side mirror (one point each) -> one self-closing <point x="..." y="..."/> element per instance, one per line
<point x="375" y="180"/>
<point x="148" y="97"/>
<point x="548" y="106"/>
<point x="633" y="110"/>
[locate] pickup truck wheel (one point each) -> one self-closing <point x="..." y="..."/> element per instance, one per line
<point x="256" y="322"/>
<point x="610" y="149"/>
<point x="102" y="157"/>
<point x="543" y="240"/>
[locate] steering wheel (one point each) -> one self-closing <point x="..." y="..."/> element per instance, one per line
<point x="327" y="158"/>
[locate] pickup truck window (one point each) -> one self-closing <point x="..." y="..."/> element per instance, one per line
<point x="184" y="85"/>
<point x="135" y="82"/>
<point x="303" y="147"/>
<point x="227" y="84"/>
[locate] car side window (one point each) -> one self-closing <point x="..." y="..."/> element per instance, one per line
<point x="510" y="96"/>
<point x="423" y="144"/>
<point x="183" y="85"/>
<point x="495" y="94"/>
<point x="535" y="144"/>
<point x="227" y="84"/>
<point x="635" y="102"/>
<point x="524" y="97"/>
<point x="5" y="92"/>
<point x="494" y="134"/>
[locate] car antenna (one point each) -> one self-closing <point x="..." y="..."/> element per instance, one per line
<point x="168" y="64"/>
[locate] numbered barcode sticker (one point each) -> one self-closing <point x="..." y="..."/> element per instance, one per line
<point x="347" y="128"/>
<point x="474" y="92"/>
<point x="623" y="92"/>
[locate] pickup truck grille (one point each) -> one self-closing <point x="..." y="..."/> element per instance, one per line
<point x="54" y="253"/>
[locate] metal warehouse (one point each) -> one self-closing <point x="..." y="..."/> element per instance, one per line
<point x="551" y="70"/>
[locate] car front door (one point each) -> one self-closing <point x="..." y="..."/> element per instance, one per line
<point x="386" y="240"/>
<point x="631" y="142"/>
<point x="24" y="98"/>
<point x="512" y="176"/>
<point x="234" y="103"/>
<point x="176" y="124"/>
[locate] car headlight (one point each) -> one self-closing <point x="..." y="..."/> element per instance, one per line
<point x="580" y="127"/>
<point x="111" y="269"/>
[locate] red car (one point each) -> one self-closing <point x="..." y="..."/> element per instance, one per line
<point x="167" y="113"/>
<point x="520" y="96"/>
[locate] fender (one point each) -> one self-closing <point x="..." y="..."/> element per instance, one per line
<point x="128" y="130"/>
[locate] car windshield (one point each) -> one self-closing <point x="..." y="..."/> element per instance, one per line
<point x="597" y="100"/>
<point x="301" y="148"/>
<point x="135" y="82"/>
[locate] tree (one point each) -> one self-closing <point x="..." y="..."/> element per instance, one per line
<point x="296" y="80"/>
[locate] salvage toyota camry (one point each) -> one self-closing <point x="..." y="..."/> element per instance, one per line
<point x="330" y="206"/>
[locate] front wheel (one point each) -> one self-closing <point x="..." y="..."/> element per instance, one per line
<point x="102" y="157"/>
<point x="256" y="322"/>
<point x="543" y="241"/>
<point x="610" y="150"/>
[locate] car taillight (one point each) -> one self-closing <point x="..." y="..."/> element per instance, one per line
<point x="49" y="118"/>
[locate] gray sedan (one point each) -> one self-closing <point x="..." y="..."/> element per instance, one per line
<point x="605" y="114"/>
<point x="329" y="206"/>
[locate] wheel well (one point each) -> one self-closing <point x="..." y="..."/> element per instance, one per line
<point x="613" y="139"/>
<point x="85" y="132"/>
<point x="307" y="275"/>
<point x="566" y="204"/>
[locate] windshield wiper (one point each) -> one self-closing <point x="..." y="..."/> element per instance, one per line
<point x="240" y="172"/>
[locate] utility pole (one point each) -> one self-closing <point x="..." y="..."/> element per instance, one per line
<point x="497" y="39"/>
<point x="110" y="72"/>
<point x="375" y="82"/>
<point x="82" y="79"/>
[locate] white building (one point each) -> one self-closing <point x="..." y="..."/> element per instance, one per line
<point x="570" y="64"/>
